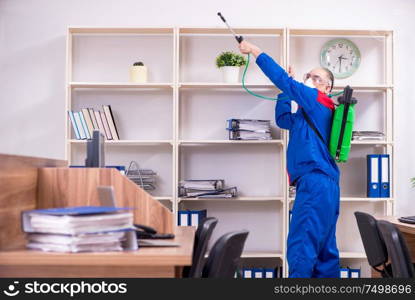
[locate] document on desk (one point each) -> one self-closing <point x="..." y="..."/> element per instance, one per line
<point x="77" y="229"/>
<point x="157" y="243"/>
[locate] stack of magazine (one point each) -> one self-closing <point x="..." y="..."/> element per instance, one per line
<point x="144" y="178"/>
<point x="77" y="229"/>
<point x="248" y="129"/>
<point x="206" y="188"/>
<point x="368" y="135"/>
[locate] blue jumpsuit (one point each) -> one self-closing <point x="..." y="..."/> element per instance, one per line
<point x="311" y="243"/>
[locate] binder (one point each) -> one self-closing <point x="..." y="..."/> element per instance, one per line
<point x="258" y="273"/>
<point x="183" y="217"/>
<point x="246" y="273"/>
<point x="373" y="186"/>
<point x="84" y="126"/>
<point x="344" y="272"/>
<point x="111" y="121"/>
<point x="75" y="128"/>
<point x="269" y="273"/>
<point x="196" y="217"/>
<point x="385" y="176"/>
<point x="78" y="122"/>
<point x="354" y="273"/>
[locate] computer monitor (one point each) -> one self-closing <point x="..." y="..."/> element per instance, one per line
<point x="95" y="151"/>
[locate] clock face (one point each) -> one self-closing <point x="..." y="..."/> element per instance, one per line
<point x="341" y="56"/>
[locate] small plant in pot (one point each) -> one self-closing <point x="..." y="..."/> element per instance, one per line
<point x="138" y="73"/>
<point x="230" y="63"/>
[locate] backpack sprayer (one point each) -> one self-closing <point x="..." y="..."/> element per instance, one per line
<point x="343" y="118"/>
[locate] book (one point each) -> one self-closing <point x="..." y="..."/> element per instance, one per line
<point x="111" y="122"/>
<point x="88" y="120"/>
<point x="99" y="123"/>
<point x="93" y="119"/>
<point x="106" y="126"/>
<point x="74" y="127"/>
<point x="79" y="125"/>
<point x="84" y="126"/>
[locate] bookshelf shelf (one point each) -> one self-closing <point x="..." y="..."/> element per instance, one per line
<point x="249" y="199"/>
<point x="358" y="199"/>
<point x="129" y="142"/>
<point x="239" y="142"/>
<point x="102" y="85"/>
<point x="191" y="104"/>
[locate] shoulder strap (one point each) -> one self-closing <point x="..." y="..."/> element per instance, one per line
<point x="310" y="123"/>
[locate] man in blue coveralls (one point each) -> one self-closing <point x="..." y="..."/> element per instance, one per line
<point x="311" y="243"/>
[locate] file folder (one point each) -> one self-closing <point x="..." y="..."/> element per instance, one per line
<point x="385" y="176"/>
<point x="373" y="185"/>
<point x="78" y="122"/>
<point x="247" y="273"/>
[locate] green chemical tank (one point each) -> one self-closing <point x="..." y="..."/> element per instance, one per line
<point x="342" y="126"/>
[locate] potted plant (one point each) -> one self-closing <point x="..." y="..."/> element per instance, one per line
<point x="138" y="73"/>
<point x="230" y="63"/>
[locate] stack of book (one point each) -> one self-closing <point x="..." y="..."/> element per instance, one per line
<point x="87" y="120"/>
<point x="210" y="188"/>
<point x="368" y="135"/>
<point x="144" y="178"/>
<point x="248" y="129"/>
<point x="77" y="229"/>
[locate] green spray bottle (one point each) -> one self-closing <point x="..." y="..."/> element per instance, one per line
<point x="342" y="126"/>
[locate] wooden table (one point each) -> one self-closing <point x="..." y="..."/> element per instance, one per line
<point x="408" y="232"/>
<point x="145" y="262"/>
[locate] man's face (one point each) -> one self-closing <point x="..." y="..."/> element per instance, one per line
<point x="320" y="79"/>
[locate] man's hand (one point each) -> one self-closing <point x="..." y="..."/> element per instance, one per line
<point x="246" y="47"/>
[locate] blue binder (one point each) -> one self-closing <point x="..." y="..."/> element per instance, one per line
<point x="257" y="273"/>
<point x="354" y="273"/>
<point x="344" y="273"/>
<point x="373" y="176"/>
<point x="196" y="217"/>
<point x="247" y="273"/>
<point x="269" y="273"/>
<point x="183" y="218"/>
<point x="384" y="176"/>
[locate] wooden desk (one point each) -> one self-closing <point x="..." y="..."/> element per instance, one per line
<point x="408" y="232"/>
<point x="146" y="262"/>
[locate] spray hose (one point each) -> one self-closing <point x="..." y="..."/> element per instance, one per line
<point x="269" y="98"/>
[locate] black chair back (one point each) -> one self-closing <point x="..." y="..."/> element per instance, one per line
<point x="202" y="237"/>
<point x="373" y="243"/>
<point x="401" y="262"/>
<point x="225" y="255"/>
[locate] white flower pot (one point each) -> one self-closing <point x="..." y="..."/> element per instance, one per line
<point x="230" y="74"/>
<point x="138" y="74"/>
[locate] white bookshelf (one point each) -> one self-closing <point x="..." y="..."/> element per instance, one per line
<point x="175" y="123"/>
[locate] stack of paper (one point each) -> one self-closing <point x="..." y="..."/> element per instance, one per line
<point x="210" y="188"/>
<point x="77" y="229"/>
<point x="249" y="129"/>
<point x="368" y="135"/>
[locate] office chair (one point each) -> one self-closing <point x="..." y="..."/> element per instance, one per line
<point x="401" y="262"/>
<point x="202" y="237"/>
<point x="373" y="243"/>
<point x="225" y="255"/>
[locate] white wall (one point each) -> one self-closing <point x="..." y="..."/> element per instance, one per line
<point x="32" y="57"/>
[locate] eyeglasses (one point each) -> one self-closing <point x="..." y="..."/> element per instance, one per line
<point x="316" y="79"/>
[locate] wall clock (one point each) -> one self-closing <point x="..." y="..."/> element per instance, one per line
<point x="341" y="56"/>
